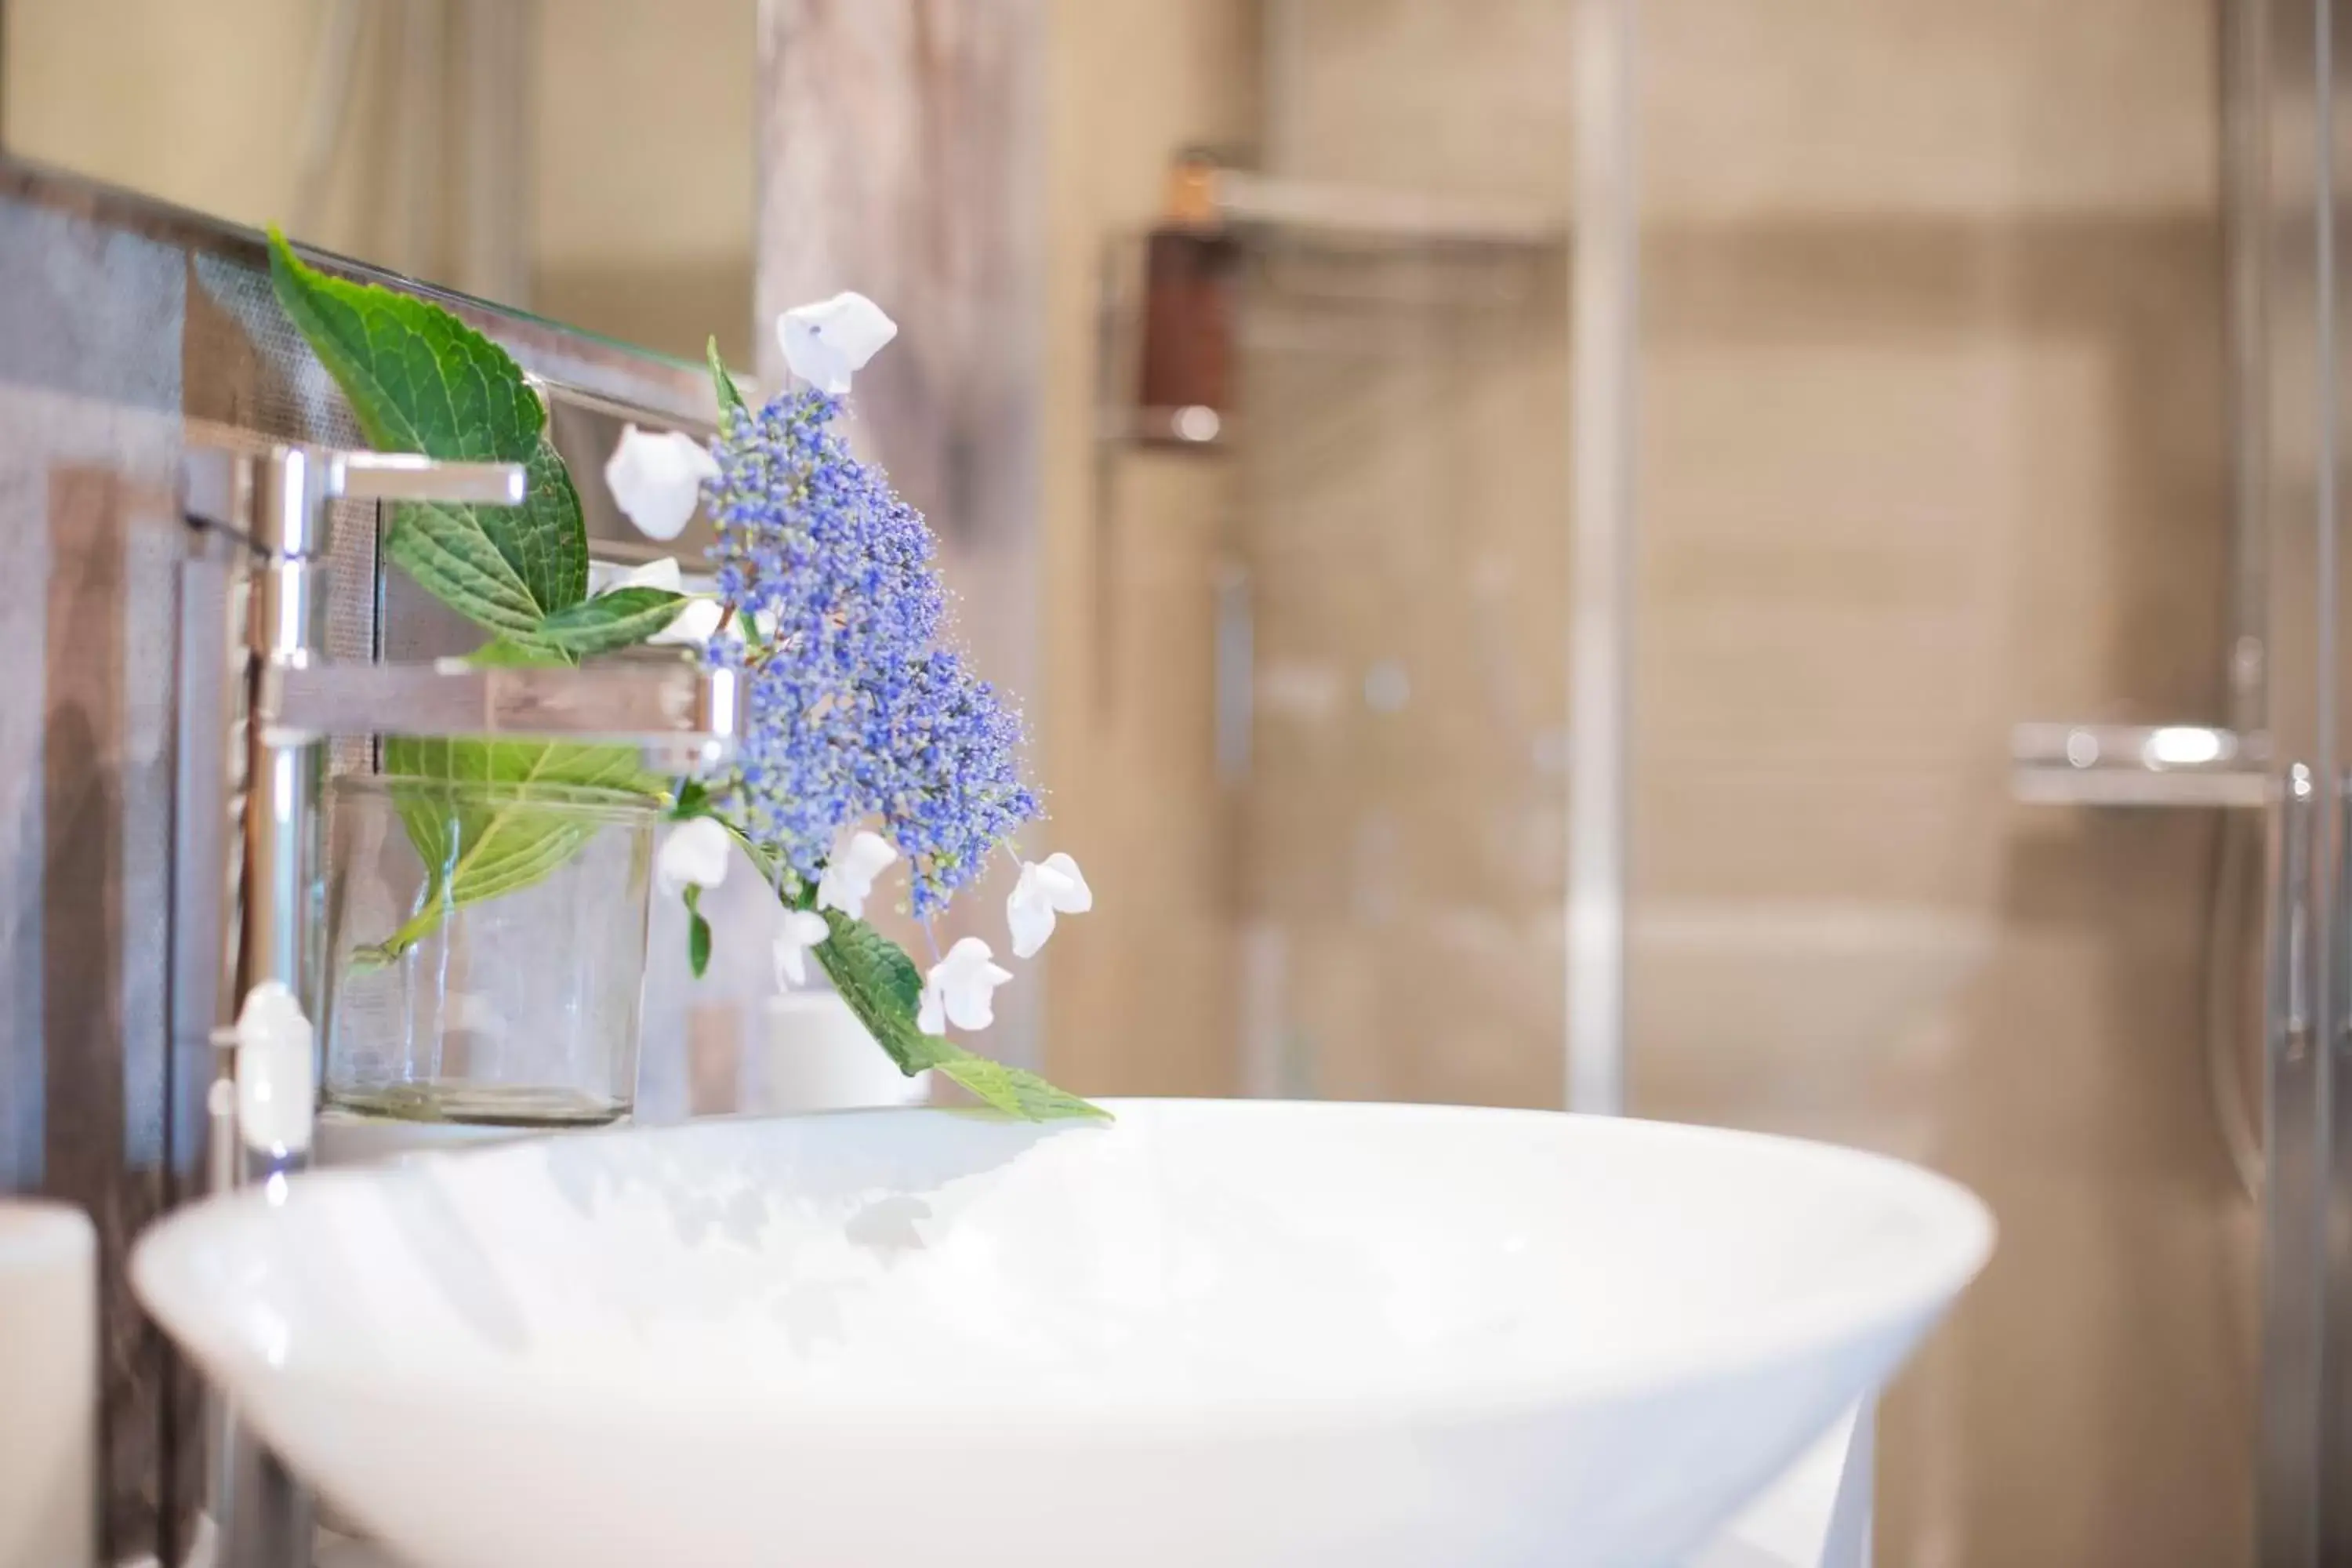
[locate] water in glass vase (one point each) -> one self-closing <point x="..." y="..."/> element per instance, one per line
<point x="476" y="1104"/>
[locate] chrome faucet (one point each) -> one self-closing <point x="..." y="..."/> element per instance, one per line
<point x="257" y="702"/>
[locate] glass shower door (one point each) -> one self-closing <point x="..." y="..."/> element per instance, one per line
<point x="1935" y="441"/>
<point x="1353" y="855"/>
<point x="1401" y="544"/>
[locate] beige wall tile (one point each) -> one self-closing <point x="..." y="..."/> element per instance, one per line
<point x="1891" y="107"/>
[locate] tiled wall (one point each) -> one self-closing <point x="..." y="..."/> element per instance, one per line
<point x="1932" y="444"/>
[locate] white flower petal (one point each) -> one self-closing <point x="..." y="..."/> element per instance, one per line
<point x="656" y="481"/>
<point x="1053" y="885"/>
<point x="1067" y="884"/>
<point x="662" y="574"/>
<point x="697" y="618"/>
<point x="835" y="891"/>
<point x="693" y="855"/>
<point x="970" y="1009"/>
<point x="849" y="872"/>
<point x="827" y="342"/>
<point x="974" y="1006"/>
<point x="962" y="989"/>
<point x="868" y="854"/>
<point x="801" y="930"/>
<point x="1028" y="916"/>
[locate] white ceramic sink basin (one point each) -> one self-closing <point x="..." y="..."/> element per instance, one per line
<point x="1212" y="1334"/>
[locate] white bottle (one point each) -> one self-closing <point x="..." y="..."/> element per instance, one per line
<point x="815" y="1055"/>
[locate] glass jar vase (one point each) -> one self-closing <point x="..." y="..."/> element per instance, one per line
<point x="486" y="949"/>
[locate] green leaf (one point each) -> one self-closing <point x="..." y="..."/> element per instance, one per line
<point x="490" y="818"/>
<point x="730" y="401"/>
<point x="505" y="568"/>
<point x="1014" y="1091"/>
<point x="420" y="380"/>
<point x="880" y="983"/>
<point x="697" y="933"/>
<point x="500" y="653"/>
<point x="621" y="618"/>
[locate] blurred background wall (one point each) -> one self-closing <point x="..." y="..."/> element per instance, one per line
<point x="1133" y="546"/>
<point x="1932" y="442"/>
<point x="620" y="198"/>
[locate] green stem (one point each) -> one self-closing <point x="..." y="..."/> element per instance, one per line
<point x="414" y="929"/>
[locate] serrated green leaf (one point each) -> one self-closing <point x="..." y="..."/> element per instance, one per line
<point x="1014" y="1091"/>
<point x="881" y="985"/>
<point x="465" y="556"/>
<point x="731" y="400"/>
<point x="621" y="618"/>
<point x="490" y="818"/>
<point x="419" y="380"/>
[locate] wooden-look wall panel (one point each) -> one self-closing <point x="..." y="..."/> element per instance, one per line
<point x="901" y="155"/>
<point x="89" y="389"/>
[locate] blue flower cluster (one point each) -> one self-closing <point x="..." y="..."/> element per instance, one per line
<point x="854" y="710"/>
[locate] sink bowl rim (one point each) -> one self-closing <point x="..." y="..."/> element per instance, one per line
<point x="1964" y="1228"/>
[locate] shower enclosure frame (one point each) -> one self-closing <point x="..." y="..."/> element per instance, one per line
<point x="1604" y="331"/>
<point x="2299" y="58"/>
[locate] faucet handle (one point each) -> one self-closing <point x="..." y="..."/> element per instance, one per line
<point x="275" y="498"/>
<point x="406" y="476"/>
<point x="684" y="717"/>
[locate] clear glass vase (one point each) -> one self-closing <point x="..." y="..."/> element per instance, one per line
<point x="486" y="951"/>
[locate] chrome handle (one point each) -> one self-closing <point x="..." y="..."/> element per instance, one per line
<point x="2138" y="765"/>
<point x="687" y="718"/>
<point x="276" y="497"/>
<point x="2293" y="982"/>
<point x="406" y="477"/>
